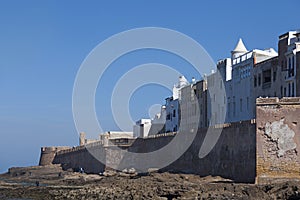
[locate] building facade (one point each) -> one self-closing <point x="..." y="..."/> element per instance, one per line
<point x="229" y="94"/>
<point x="289" y="59"/>
<point x="280" y="75"/>
<point x="239" y="90"/>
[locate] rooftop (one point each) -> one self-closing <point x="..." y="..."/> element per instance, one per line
<point x="240" y="47"/>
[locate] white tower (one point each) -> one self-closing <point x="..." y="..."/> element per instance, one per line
<point x="239" y="50"/>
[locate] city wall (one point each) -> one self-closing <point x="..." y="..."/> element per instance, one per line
<point x="278" y="138"/>
<point x="249" y="151"/>
<point x="82" y="157"/>
<point x="231" y="157"/>
<point x="48" y="154"/>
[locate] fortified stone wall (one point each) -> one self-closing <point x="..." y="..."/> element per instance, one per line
<point x="278" y="138"/>
<point x="245" y="151"/>
<point x="232" y="157"/>
<point x="82" y="157"/>
<point x="48" y="154"/>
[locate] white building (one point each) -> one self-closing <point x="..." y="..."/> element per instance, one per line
<point x="216" y="98"/>
<point x="239" y="90"/>
<point x="172" y="117"/>
<point x="142" y="128"/>
<point x="226" y="95"/>
<point x="145" y="127"/>
<point x="173" y="107"/>
<point x="292" y="59"/>
<point x="158" y="123"/>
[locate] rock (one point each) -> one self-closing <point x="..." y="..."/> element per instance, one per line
<point x="109" y="173"/>
<point x="153" y="170"/>
<point x="131" y="171"/>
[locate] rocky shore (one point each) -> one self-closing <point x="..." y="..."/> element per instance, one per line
<point x="51" y="182"/>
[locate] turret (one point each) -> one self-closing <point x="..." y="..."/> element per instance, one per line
<point x="82" y="139"/>
<point x="239" y="50"/>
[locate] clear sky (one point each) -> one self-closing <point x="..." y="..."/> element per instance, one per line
<point x="43" y="43"/>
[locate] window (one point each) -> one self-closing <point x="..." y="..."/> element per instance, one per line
<point x="233" y="104"/>
<point x="291" y="67"/>
<point x="247" y="103"/>
<point x="192" y="95"/>
<point x="241" y="105"/>
<point x="255" y="81"/>
<point x="274" y="76"/>
<point x="168" y="116"/>
<point x="293" y="62"/>
<point x="228" y="111"/>
<point x="284" y="91"/>
<point x="233" y="108"/>
<point x="293" y="88"/>
<point x="266" y="76"/>
<point x="174" y="113"/>
<point x="259" y="79"/>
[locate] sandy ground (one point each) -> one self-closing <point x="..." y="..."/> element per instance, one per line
<point x="52" y="183"/>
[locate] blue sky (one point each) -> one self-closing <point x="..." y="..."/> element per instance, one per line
<point x="43" y="43"/>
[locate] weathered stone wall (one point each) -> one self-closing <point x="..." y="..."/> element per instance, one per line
<point x="245" y="151"/>
<point x="48" y="154"/>
<point x="232" y="157"/>
<point x="278" y="138"/>
<point x="81" y="157"/>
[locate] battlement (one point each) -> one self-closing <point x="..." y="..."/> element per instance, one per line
<point x="48" y="154"/>
<point x="79" y="148"/>
<point x="277" y="101"/>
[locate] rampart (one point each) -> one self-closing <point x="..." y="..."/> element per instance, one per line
<point x="82" y="157"/>
<point x="230" y="158"/>
<point x="248" y="151"/>
<point x="48" y="154"/>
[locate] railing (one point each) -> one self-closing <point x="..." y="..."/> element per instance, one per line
<point x="266" y="85"/>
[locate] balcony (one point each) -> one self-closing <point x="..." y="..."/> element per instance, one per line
<point x="266" y="85"/>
